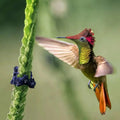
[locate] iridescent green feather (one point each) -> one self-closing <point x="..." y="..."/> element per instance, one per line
<point x="84" y="56"/>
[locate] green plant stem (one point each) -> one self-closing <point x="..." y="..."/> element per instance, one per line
<point x="25" y="61"/>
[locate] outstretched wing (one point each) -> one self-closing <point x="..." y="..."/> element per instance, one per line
<point x="66" y="52"/>
<point x="103" y="67"/>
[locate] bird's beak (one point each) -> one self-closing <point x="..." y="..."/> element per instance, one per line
<point x="74" y="37"/>
<point x="60" y="37"/>
<point x="71" y="37"/>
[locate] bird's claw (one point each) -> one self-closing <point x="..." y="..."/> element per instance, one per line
<point x="95" y="87"/>
<point x="92" y="85"/>
<point x="89" y="84"/>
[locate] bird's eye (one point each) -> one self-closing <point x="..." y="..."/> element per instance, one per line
<point x="82" y="39"/>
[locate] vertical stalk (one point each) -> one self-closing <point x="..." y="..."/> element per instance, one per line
<point x="25" y="61"/>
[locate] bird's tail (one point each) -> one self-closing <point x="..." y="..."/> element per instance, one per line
<point x="103" y="97"/>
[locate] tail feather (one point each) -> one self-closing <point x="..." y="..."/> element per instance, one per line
<point x="108" y="103"/>
<point x="97" y="92"/>
<point x="103" y="98"/>
<point x="102" y="102"/>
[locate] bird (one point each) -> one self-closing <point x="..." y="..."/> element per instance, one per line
<point x="80" y="55"/>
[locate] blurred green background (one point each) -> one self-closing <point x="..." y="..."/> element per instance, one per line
<point x="61" y="92"/>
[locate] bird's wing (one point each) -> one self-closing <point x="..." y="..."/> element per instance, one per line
<point x="66" y="52"/>
<point x="103" y="67"/>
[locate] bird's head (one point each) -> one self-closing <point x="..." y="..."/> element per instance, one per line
<point x="86" y="37"/>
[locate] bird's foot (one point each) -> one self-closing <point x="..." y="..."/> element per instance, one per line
<point x="95" y="87"/>
<point x="90" y="85"/>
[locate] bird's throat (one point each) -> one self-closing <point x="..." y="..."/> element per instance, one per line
<point x="84" y="55"/>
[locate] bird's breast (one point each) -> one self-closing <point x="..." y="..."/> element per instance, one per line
<point x="89" y="71"/>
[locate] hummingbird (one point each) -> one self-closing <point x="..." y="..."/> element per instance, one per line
<point x="80" y="55"/>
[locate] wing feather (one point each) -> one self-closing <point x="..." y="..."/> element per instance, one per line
<point x="66" y="52"/>
<point x="103" y="67"/>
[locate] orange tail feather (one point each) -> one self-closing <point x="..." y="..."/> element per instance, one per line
<point x="102" y="104"/>
<point x="108" y="103"/>
<point x="103" y="98"/>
